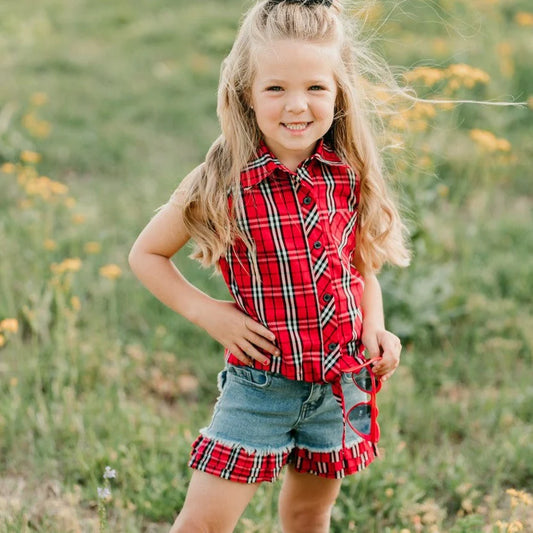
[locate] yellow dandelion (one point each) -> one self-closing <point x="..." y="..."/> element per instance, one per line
<point x="75" y="303"/>
<point x="9" y="324"/>
<point x="70" y="202"/>
<point x="13" y="382"/>
<point x="72" y="264"/>
<point x="50" y="245"/>
<point x="522" y="18"/>
<point x="425" y="162"/>
<point x="520" y="496"/>
<point x="57" y="187"/>
<point x="30" y="157"/>
<point x="39" y="98"/>
<point x="78" y="218"/>
<point x="8" y="168"/>
<point x="446" y="105"/>
<point x="463" y="74"/>
<point x="111" y="271"/>
<point x="423" y="110"/>
<point x="489" y="142"/>
<point x="92" y="247"/>
<point x="504" y="50"/>
<point x="2" y="340"/>
<point x="440" y="46"/>
<point x="515" y="526"/>
<point x="503" y="145"/>
<point x="429" y="76"/>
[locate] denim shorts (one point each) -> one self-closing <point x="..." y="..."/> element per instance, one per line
<point x="263" y="421"/>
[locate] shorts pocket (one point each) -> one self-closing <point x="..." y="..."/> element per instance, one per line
<point x="260" y="379"/>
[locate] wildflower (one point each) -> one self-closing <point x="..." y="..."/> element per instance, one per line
<point x="70" y="202"/>
<point x="488" y="141"/>
<point x="13" y="382"/>
<point x="466" y="74"/>
<point x="104" y="493"/>
<point x="8" y="168"/>
<point x="72" y="264"/>
<point x="520" y="496"/>
<point x="2" y="340"/>
<point x="92" y="247"/>
<point x="515" y="526"/>
<point x="110" y="473"/>
<point x="50" y="244"/>
<point x="30" y="157"/>
<point x="39" y="99"/>
<point x="429" y="76"/>
<point x="36" y="127"/>
<point x="9" y="324"/>
<point x="42" y="186"/>
<point x="75" y="303"/>
<point x="523" y="18"/>
<point x="111" y="271"/>
<point x="504" y="51"/>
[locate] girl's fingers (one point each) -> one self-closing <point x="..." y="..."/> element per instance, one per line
<point x="254" y="326"/>
<point x="253" y="353"/>
<point x="257" y="340"/>
<point x="239" y="354"/>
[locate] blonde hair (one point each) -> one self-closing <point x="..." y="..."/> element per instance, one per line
<point x="354" y="134"/>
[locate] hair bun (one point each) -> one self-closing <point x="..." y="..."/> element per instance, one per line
<point x="326" y="3"/>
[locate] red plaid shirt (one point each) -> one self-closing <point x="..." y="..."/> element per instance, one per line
<point x="308" y="292"/>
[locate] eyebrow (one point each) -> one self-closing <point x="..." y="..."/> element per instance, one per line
<point x="276" y="81"/>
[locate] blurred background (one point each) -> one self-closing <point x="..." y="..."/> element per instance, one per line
<point x="104" y="107"/>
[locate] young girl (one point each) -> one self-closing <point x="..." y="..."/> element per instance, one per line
<point x="292" y="208"/>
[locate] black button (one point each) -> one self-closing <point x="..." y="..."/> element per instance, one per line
<point x="307" y="200"/>
<point x="332" y="346"/>
<point x="317" y="245"/>
<point x="327" y="297"/>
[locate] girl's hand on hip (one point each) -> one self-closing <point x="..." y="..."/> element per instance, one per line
<point x="239" y="333"/>
<point x="384" y="344"/>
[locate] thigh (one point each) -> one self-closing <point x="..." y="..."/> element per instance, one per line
<point x="313" y="490"/>
<point x="306" y="501"/>
<point x="213" y="504"/>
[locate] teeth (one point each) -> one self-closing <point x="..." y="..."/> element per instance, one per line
<point x="296" y="127"/>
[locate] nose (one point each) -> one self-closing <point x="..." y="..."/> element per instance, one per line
<point x="296" y="103"/>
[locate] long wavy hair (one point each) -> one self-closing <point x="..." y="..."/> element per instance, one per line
<point x="355" y="133"/>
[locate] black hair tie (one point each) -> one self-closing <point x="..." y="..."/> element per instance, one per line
<point x="326" y="3"/>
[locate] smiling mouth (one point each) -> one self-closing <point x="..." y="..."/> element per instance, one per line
<point x="296" y="126"/>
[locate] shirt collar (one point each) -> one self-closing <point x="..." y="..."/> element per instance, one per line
<point x="265" y="163"/>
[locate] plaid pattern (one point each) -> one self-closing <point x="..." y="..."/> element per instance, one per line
<point x="237" y="464"/>
<point x="307" y="292"/>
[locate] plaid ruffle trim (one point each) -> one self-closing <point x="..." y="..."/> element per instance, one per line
<point x="235" y="463"/>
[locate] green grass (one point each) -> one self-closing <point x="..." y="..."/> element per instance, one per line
<point x="84" y="383"/>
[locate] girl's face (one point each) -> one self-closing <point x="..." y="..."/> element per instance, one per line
<point x="293" y="96"/>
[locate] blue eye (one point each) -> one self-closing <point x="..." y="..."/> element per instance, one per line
<point x="275" y="88"/>
<point x="316" y="88"/>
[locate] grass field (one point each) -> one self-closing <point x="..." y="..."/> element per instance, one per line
<point x="104" y="107"/>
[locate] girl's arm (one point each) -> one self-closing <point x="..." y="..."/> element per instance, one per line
<point x="150" y="261"/>
<point x="378" y="341"/>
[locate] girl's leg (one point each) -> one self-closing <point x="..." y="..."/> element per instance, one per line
<point x="212" y="504"/>
<point x="306" y="501"/>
